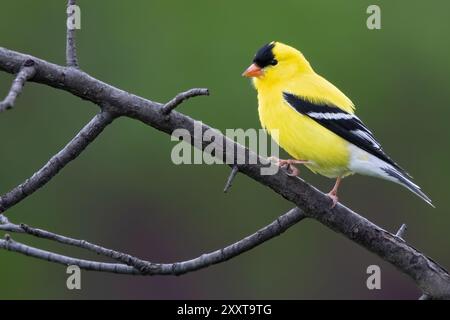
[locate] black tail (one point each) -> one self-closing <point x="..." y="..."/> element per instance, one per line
<point x="401" y="179"/>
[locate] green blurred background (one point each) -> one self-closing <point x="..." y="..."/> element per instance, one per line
<point x="123" y="192"/>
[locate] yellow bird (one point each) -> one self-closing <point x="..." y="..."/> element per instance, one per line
<point x="315" y="121"/>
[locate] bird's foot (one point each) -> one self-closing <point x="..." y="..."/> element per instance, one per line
<point x="334" y="198"/>
<point x="333" y="193"/>
<point x="289" y="165"/>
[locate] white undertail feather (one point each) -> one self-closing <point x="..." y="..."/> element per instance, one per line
<point x="364" y="163"/>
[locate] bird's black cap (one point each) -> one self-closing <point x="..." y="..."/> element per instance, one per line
<point x="265" y="57"/>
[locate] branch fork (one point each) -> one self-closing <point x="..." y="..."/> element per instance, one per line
<point x="181" y="97"/>
<point x="129" y="264"/>
<point x="26" y="72"/>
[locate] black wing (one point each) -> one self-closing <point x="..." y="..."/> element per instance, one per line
<point x="346" y="125"/>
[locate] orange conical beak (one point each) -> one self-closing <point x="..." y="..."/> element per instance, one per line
<point x="253" y="71"/>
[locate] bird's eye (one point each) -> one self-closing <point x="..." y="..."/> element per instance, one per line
<point x="274" y="62"/>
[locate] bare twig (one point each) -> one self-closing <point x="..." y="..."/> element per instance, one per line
<point x="401" y="231"/>
<point x="233" y="173"/>
<point x="179" y="98"/>
<point x="425" y="297"/>
<point x="25" y="73"/>
<point x="72" y="150"/>
<point x="431" y="278"/>
<point x="71" y="49"/>
<point x="133" y="265"/>
<point x="9" y="244"/>
<point x="5" y="225"/>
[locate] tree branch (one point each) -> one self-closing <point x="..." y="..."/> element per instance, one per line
<point x="181" y="97"/>
<point x="133" y="265"/>
<point x="11" y="245"/>
<point x="25" y="73"/>
<point x="400" y="233"/>
<point x="432" y="279"/>
<point x="233" y="173"/>
<point x="71" y="50"/>
<point x="72" y="150"/>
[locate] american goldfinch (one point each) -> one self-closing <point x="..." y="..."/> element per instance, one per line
<point x="315" y="121"/>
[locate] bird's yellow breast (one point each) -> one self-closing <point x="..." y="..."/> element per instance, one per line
<point x="302" y="137"/>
